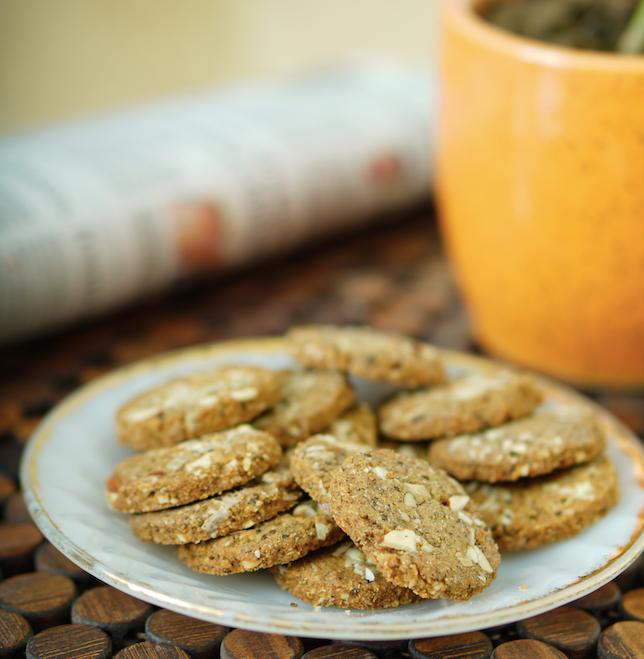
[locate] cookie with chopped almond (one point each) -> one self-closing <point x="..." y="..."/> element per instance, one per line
<point x="196" y="405"/>
<point x="367" y="353"/>
<point x="415" y="523"/>
<point x="341" y="576"/>
<point x="312" y="462"/>
<point x="193" y="470"/>
<point x="553" y="437"/>
<point x="469" y="404"/>
<point x="357" y="424"/>
<point x="260" y="499"/>
<point x="537" y="511"/>
<point x="310" y="401"/>
<point x="283" y="539"/>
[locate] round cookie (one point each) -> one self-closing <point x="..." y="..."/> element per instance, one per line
<point x="310" y="401"/>
<point x="197" y="469"/>
<point x="550" y="438"/>
<point x="468" y="404"/>
<point x="367" y="353"/>
<point x="283" y="539"/>
<point x="260" y="499"/>
<point x="538" y="511"/>
<point x="312" y="462"/>
<point x="196" y="405"/>
<point x="415" y="523"/>
<point x="357" y="424"/>
<point x="341" y="576"/>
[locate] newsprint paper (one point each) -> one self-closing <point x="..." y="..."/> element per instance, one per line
<point x="96" y="214"/>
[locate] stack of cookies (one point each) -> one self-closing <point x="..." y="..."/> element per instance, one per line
<point x="245" y="468"/>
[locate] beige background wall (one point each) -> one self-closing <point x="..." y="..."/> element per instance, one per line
<point x="60" y="59"/>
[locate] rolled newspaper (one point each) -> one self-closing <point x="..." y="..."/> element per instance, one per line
<point x="96" y="214"/>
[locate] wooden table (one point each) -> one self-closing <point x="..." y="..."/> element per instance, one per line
<point x="392" y="276"/>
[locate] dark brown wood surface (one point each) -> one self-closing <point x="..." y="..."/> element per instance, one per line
<point x="201" y="640"/>
<point x="112" y="611"/>
<point x="18" y="542"/>
<point x="623" y="640"/>
<point x="70" y="642"/>
<point x="527" y="649"/>
<point x="339" y="651"/>
<point x="44" y="600"/>
<point x="473" y="645"/>
<point x="241" y="644"/>
<point x="573" y="631"/>
<point x="15" y="632"/>
<point x="147" y="650"/>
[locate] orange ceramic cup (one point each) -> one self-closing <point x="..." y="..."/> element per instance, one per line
<point x="540" y="187"/>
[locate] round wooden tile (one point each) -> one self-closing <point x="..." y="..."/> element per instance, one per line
<point x="49" y="559"/>
<point x="15" y="509"/>
<point x="382" y="649"/>
<point x="147" y="650"/>
<point x="242" y="644"/>
<point x="633" y="605"/>
<point x="15" y="633"/>
<point x="526" y="649"/>
<point x="18" y="541"/>
<point x="603" y="599"/>
<point x="7" y="487"/>
<point x="201" y="640"/>
<point x="339" y="651"/>
<point x="43" y="599"/>
<point x="573" y="631"/>
<point x="110" y="610"/>
<point x="70" y="642"/>
<point x="473" y="645"/>
<point x="623" y="640"/>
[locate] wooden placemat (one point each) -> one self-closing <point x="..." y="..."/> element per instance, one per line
<point x="392" y="276"/>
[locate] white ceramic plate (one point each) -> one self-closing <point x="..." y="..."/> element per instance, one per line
<point x="74" y="451"/>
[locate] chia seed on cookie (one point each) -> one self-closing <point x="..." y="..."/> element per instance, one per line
<point x="469" y="404"/>
<point x="311" y="400"/>
<point x="193" y="470"/>
<point x="415" y="523"/>
<point x="260" y="499"/>
<point x="341" y="576"/>
<point x="550" y="438"/>
<point x="283" y="539"/>
<point x="537" y="511"/>
<point x="367" y="353"/>
<point x="196" y="405"/>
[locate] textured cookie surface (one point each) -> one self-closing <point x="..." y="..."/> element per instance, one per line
<point x="193" y="470"/>
<point x="366" y="352"/>
<point x="415" y="523"/>
<point x="469" y="404"/>
<point x="283" y="539"/>
<point x="341" y="576"/>
<point x="196" y="405"/>
<point x="271" y="493"/>
<point x="551" y="438"/>
<point x="312" y="462"/>
<point x="357" y="424"/>
<point x="536" y="512"/>
<point x="310" y="401"/>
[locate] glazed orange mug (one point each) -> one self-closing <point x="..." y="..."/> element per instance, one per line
<point x="540" y="191"/>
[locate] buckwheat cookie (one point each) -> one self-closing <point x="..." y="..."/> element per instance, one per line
<point x="310" y="401"/>
<point x="468" y="404"/>
<point x="283" y="539"/>
<point x="550" y="438"/>
<point x="415" y="523"/>
<point x="538" y="511"/>
<point x="341" y="576"/>
<point x="193" y="470"/>
<point x="366" y="352"/>
<point x="260" y="499"/>
<point x="195" y="405"/>
<point x="357" y="424"/>
<point x="312" y="462"/>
